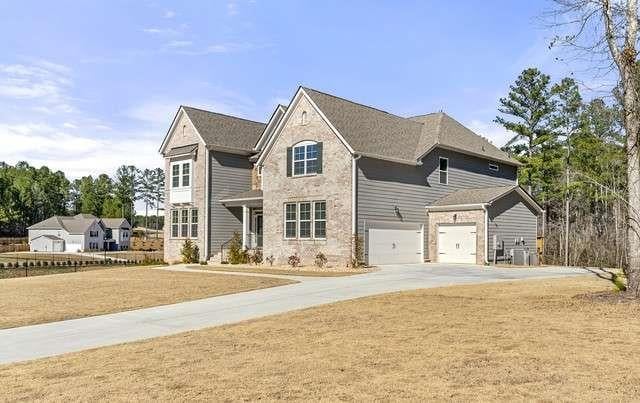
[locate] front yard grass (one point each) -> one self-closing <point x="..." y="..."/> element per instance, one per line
<point x="31" y="300"/>
<point x="527" y="340"/>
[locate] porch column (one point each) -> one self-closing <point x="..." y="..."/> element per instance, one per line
<point x="245" y="226"/>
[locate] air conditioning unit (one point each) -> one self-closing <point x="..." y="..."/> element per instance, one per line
<point x="521" y="257"/>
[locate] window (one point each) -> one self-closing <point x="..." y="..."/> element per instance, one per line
<point x="181" y="171"/>
<point x="494" y="167"/>
<point x="194" y="223"/>
<point x="174" y="223"/>
<point x="444" y="170"/>
<point x="290" y="220"/>
<point x="305" y="220"/>
<point x="184" y="223"/>
<point x="186" y="174"/>
<point x="303" y="118"/>
<point x="175" y="176"/>
<point x="320" y="220"/>
<point x="305" y="158"/>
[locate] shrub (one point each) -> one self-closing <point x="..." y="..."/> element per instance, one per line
<point x="203" y="263"/>
<point x="68" y="262"/>
<point x="1" y="265"/>
<point x="321" y="260"/>
<point x="31" y="264"/>
<point x="270" y="260"/>
<point x="189" y="252"/>
<point x="9" y="265"/>
<point x="64" y="263"/>
<point x="38" y="263"/>
<point x="255" y="257"/>
<point x="294" y="260"/>
<point x="236" y="254"/>
<point x="45" y="264"/>
<point x="618" y="282"/>
<point x="25" y="264"/>
<point x="357" y="259"/>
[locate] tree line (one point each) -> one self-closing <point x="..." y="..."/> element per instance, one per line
<point x="573" y="156"/>
<point x="29" y="195"/>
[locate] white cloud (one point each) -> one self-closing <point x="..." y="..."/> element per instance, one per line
<point x="169" y="14"/>
<point x="75" y="155"/>
<point x="161" y="31"/>
<point x="43" y="80"/>
<point x="494" y="132"/>
<point x="218" y="48"/>
<point x="179" y="44"/>
<point x="69" y="125"/>
<point x="232" y="8"/>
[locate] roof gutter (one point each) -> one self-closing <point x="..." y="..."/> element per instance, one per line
<point x="470" y="206"/>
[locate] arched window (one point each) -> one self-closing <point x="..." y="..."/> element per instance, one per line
<point x="305" y="158"/>
<point x="303" y="118"/>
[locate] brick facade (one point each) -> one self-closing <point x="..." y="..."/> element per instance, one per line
<point x="333" y="185"/>
<point x="461" y="217"/>
<point x="185" y="134"/>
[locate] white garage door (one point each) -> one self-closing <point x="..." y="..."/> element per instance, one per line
<point x="457" y="243"/>
<point x="395" y="245"/>
<point x="73" y="247"/>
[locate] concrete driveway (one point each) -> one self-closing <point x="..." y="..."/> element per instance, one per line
<point x="37" y="341"/>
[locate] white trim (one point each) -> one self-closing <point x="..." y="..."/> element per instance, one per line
<point x="441" y="171"/>
<point x="245" y="225"/>
<point x="205" y="226"/>
<point x="264" y="137"/>
<point x="422" y="243"/>
<point x="486" y="235"/>
<point x="296" y="98"/>
<point x="175" y="121"/>
<point x="223" y="201"/>
<point x="304" y="144"/>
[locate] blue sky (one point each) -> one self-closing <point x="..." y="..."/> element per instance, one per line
<point x="86" y="86"/>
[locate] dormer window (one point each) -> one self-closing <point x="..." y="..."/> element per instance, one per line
<point x="444" y="170"/>
<point x="304" y="158"/>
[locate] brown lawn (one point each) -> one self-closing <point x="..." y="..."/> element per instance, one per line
<point x="31" y="300"/>
<point x="505" y="341"/>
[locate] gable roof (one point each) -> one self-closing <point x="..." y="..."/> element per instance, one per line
<point x="376" y="133"/>
<point x="482" y="196"/>
<point x="115" y="222"/>
<point x="77" y="224"/>
<point x="224" y="131"/>
<point x="47" y="236"/>
<point x="275" y="118"/>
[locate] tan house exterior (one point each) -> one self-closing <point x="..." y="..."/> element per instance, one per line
<point x="325" y="170"/>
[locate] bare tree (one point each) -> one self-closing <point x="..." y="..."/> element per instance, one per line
<point x="609" y="29"/>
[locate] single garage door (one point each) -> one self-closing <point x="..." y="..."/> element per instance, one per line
<point x="391" y="243"/>
<point x="457" y="243"/>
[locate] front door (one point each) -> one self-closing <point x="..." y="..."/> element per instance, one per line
<point x="257" y="228"/>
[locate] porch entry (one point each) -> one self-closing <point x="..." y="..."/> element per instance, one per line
<point x="252" y="234"/>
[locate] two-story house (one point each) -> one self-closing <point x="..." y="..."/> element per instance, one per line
<point x="325" y="171"/>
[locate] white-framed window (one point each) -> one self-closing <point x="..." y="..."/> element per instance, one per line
<point x="194" y="223"/>
<point x="290" y="220"/>
<point x="305" y="220"/>
<point x="175" y="224"/>
<point x="305" y="158"/>
<point x="494" y="167"/>
<point x="184" y="223"/>
<point x="180" y="174"/>
<point x="444" y="170"/>
<point x="320" y="220"/>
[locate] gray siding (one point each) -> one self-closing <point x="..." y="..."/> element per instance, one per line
<point x="383" y="185"/>
<point x="510" y="219"/>
<point x="230" y="174"/>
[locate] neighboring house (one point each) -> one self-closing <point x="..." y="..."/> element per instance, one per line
<point x="117" y="233"/>
<point x="325" y="169"/>
<point x="79" y="233"/>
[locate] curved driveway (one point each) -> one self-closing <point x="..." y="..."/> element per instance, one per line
<point x="49" y="339"/>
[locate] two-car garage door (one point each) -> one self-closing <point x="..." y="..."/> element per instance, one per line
<point x="457" y="243"/>
<point x="394" y="243"/>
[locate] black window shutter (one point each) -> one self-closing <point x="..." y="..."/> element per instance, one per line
<point x="288" y="161"/>
<point x="319" y="148"/>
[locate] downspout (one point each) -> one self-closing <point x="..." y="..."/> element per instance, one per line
<point x="354" y="184"/>
<point x="207" y="189"/>
<point x="486" y="234"/>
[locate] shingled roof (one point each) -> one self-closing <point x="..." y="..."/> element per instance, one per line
<point x="77" y="224"/>
<point x="224" y="131"/>
<point x="374" y="132"/>
<point x="487" y="195"/>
